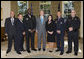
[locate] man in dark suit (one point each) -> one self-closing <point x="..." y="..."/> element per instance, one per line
<point x="20" y="32"/>
<point x="60" y="26"/>
<point x="30" y="27"/>
<point x="73" y="25"/>
<point x="10" y="31"/>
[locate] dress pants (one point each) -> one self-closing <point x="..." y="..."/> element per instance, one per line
<point x="73" y="36"/>
<point x="29" y="36"/>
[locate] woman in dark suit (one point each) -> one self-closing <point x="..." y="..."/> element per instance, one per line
<point x="50" y="28"/>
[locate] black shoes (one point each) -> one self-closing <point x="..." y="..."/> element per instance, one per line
<point x="18" y="52"/>
<point x="7" y="52"/>
<point x="34" y="49"/>
<point x="39" y="49"/>
<point x="68" y="52"/>
<point x="28" y="51"/>
<point x="50" y="51"/>
<point x="43" y="49"/>
<point x="23" y="50"/>
<point x="75" y="54"/>
<point x="61" y="53"/>
<point x="57" y="50"/>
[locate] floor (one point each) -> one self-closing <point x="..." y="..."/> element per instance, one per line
<point x="40" y="54"/>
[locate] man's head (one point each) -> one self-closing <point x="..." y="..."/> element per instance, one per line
<point x="29" y="11"/>
<point x="41" y="13"/>
<point x="12" y="14"/>
<point x="20" y="17"/>
<point x="73" y="13"/>
<point x="59" y="14"/>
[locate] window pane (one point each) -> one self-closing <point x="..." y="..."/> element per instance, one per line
<point x="41" y="6"/>
<point x="45" y="5"/>
<point x="68" y="6"/>
<point x="22" y="7"/>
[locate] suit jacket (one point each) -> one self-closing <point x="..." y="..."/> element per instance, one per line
<point x="75" y="23"/>
<point x="19" y="27"/>
<point x="9" y="28"/>
<point x="29" y="23"/>
<point x="60" y="25"/>
<point x="39" y="26"/>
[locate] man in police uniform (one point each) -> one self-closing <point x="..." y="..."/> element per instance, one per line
<point x="30" y="26"/>
<point x="60" y="33"/>
<point x="73" y="25"/>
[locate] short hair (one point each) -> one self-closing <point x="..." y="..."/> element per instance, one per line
<point x="59" y="11"/>
<point x="41" y="10"/>
<point x="73" y="10"/>
<point x="19" y="14"/>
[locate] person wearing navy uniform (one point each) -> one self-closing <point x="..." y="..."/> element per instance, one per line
<point x="10" y="31"/>
<point x="30" y="28"/>
<point x="73" y="25"/>
<point x="60" y="26"/>
<point x="20" y="32"/>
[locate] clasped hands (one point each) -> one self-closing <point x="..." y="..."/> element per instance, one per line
<point x="58" y="31"/>
<point x="31" y="30"/>
<point x="70" y="28"/>
<point x="50" y="32"/>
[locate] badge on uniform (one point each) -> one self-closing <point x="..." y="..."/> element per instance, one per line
<point x="60" y="22"/>
<point x="75" y="18"/>
<point x="26" y="18"/>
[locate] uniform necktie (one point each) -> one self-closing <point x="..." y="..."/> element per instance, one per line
<point x="21" y="21"/>
<point x="30" y="16"/>
<point x="58" y="19"/>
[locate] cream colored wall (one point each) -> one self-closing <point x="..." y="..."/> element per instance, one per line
<point x="5" y="5"/>
<point x="81" y="26"/>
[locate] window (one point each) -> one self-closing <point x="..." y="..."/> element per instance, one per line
<point x="22" y="7"/>
<point x="67" y="7"/>
<point x="45" y="5"/>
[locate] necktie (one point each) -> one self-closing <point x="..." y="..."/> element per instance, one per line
<point x="12" y="21"/>
<point x="58" y="19"/>
<point x="30" y="16"/>
<point x="21" y="21"/>
<point x="41" y="19"/>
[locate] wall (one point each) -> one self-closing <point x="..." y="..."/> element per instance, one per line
<point x="54" y="8"/>
<point x="35" y="7"/>
<point x="81" y="28"/>
<point x="14" y="7"/>
<point x="5" y="5"/>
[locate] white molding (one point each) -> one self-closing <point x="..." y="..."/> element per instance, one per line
<point x="27" y="4"/>
<point x="6" y="6"/>
<point x="62" y="8"/>
<point x="81" y="25"/>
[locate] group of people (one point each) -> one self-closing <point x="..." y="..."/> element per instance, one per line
<point x="16" y="28"/>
